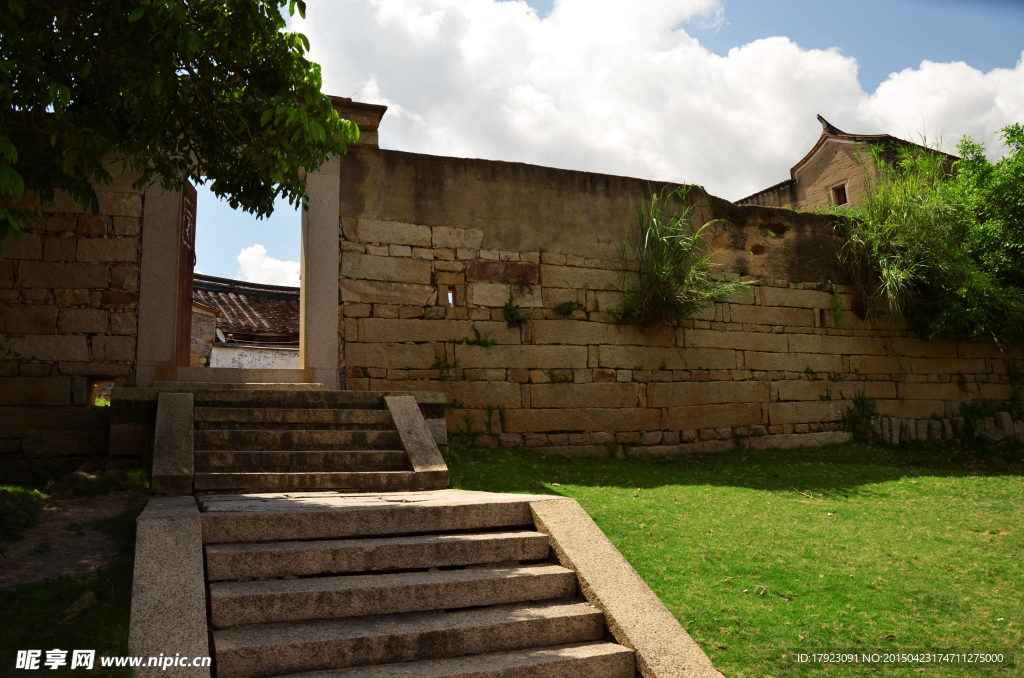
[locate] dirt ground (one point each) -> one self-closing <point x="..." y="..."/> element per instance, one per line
<point x="49" y="550"/>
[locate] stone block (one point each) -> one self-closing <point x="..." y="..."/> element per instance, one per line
<point x="44" y="347"/>
<point x="113" y="349"/>
<point x="580" y="332"/>
<point x="108" y="250"/>
<point x="60" y="249"/>
<point x="584" y="395"/>
<point x="793" y="440"/>
<point x="124" y="323"/>
<point x="522" y="357"/>
<point x="48" y="275"/>
<point x="91" y="369"/>
<point x="394" y="269"/>
<point x="118" y="299"/>
<point x="583" y="419"/>
<point x="127" y="226"/>
<point x="1004" y="421"/>
<point x="91" y="225"/>
<point x="382" y="292"/>
<point x="946" y="365"/>
<point x="934" y="429"/>
<point x="507" y="273"/>
<point x="511" y="440"/>
<point x="771" y="315"/>
<point x="390" y="330"/>
<point x="579" y="278"/>
<point x="625" y="357"/>
<point x="798" y="389"/>
<point x="784" y="296"/>
<point x="473" y="394"/>
<point x="455" y="238"/>
<point x="391" y="232"/>
<point x="125" y="277"/>
<point x="173" y="445"/>
<point x="61" y="224"/>
<point x="712" y="416"/>
<point x="168" y="604"/>
<point x="920" y="348"/>
<point x="495" y="295"/>
<point x="393" y="356"/>
<point x="927" y="391"/>
<point x="793" y="362"/>
<point x="870" y="364"/>
<point x="76" y="320"/>
<point x="687" y="393"/>
<point x="416" y="438"/>
<point x="28" y="246"/>
<point x="120" y="204"/>
<point x="802" y="412"/>
<point x="747" y="341"/>
<point x="71" y="297"/>
<point x="835" y="345"/>
<point x="38" y="391"/>
<point x="26" y="319"/>
<point x="52" y="444"/>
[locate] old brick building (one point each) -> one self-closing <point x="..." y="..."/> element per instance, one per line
<point x="835" y="171"/>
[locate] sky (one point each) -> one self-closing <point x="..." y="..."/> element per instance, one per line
<point x="722" y="93"/>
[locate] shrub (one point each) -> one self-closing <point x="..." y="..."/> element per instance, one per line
<point x="941" y="244"/>
<point x="668" y="277"/>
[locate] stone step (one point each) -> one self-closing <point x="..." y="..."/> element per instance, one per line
<point x="232" y="518"/>
<point x="219" y="461"/>
<point x="255" y="439"/>
<point x="268" y="418"/>
<point x="275" y="649"/>
<point x="291" y="399"/>
<point x="311" y="515"/>
<point x="279" y="600"/>
<point x="343" y="481"/>
<point x="584" y="660"/>
<point x="267" y="560"/>
<point x="198" y="386"/>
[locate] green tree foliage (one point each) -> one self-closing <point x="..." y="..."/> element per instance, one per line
<point x="161" y="89"/>
<point x="943" y="245"/>
<point x="666" y="274"/>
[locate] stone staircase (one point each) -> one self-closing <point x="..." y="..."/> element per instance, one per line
<point x="278" y="440"/>
<point x="416" y="585"/>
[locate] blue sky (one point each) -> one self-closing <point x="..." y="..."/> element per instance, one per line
<point x="479" y="79"/>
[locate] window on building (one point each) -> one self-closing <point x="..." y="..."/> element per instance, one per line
<point x="839" y="195"/>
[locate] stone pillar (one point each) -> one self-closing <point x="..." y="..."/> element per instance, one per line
<point x="158" y="285"/>
<point x="318" y="341"/>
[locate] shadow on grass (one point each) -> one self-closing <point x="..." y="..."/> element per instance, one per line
<point x="813" y="469"/>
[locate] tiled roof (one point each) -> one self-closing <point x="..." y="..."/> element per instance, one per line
<point x="250" y="308"/>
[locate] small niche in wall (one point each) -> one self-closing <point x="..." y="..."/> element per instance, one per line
<point x="757" y="250"/>
<point x="98" y="392"/>
<point x="451" y="296"/>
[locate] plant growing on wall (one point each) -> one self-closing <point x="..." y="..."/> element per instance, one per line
<point x="666" y="265"/>
<point x="942" y="245"/>
<point x="514" y="318"/>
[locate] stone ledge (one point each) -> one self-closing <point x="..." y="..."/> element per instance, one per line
<point x="173" y="445"/>
<point x="168" y="613"/>
<point x="636" y="618"/>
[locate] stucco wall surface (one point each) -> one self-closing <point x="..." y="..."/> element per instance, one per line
<point x="778" y="361"/>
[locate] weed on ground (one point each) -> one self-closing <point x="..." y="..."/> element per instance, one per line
<point x="763" y="555"/>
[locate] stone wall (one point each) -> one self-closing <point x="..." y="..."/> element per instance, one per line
<point x="68" y="315"/>
<point x="777" y="364"/>
<point x="204" y="332"/>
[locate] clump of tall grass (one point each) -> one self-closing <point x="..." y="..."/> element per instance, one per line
<point x="922" y="244"/>
<point x="666" y="265"/>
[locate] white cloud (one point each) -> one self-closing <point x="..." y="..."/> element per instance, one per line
<point x="622" y="88"/>
<point x="255" y="266"/>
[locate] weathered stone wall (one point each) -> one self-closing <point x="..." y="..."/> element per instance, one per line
<point x="776" y="363"/>
<point x="68" y="314"/>
<point x="204" y="331"/>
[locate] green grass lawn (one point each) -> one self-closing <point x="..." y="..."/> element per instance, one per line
<point x="761" y="555"/>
